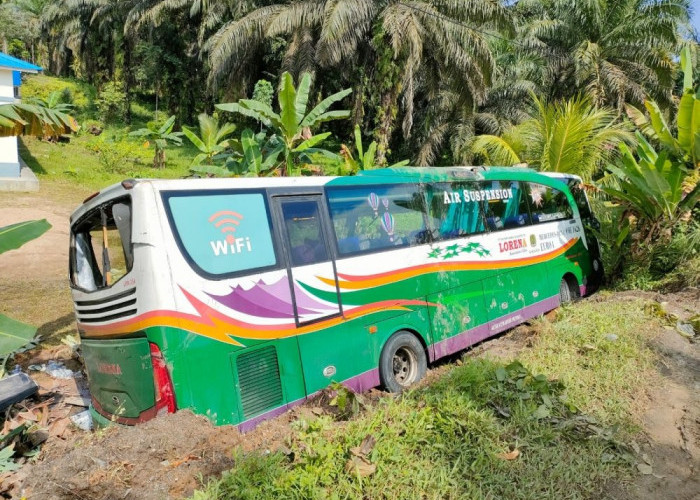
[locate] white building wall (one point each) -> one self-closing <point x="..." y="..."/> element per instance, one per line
<point x="6" y="90"/>
<point x="9" y="159"/>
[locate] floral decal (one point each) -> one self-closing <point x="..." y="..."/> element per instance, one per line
<point x="456" y="249"/>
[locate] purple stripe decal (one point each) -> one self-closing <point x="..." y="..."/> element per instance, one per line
<point x="358" y="383"/>
<point x="363" y="381"/>
<point x="477" y="334"/>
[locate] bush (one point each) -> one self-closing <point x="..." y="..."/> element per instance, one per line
<point x="80" y="94"/>
<point x="118" y="156"/>
<point x="111" y="101"/>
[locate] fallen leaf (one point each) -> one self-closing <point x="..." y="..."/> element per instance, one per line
<point x="511" y="455"/>
<point x="645" y="469"/>
<point x="58" y="427"/>
<point x="365" y="447"/>
<point x="360" y="466"/>
<point x="77" y="401"/>
<point x="28" y="415"/>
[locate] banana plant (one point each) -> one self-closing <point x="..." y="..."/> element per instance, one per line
<point x="254" y="155"/>
<point x="161" y="137"/>
<point x="365" y="159"/>
<point x="657" y="189"/>
<point x="212" y="139"/>
<point x="260" y="156"/>
<point x="293" y="124"/>
<point x="52" y="101"/>
<point x="686" y="146"/>
<point x="15" y="334"/>
<point x="33" y="119"/>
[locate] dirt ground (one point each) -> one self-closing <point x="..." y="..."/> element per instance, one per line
<point x="171" y="456"/>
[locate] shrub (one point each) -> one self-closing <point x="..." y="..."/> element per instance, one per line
<point x="118" y="156"/>
<point x="111" y="101"/>
<point x="80" y="94"/>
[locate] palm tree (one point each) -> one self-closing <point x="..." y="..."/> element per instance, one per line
<point x="406" y="45"/>
<point x="570" y="136"/>
<point x="450" y="117"/>
<point x="616" y="51"/>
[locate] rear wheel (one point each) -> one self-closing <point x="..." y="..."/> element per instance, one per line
<point x="402" y="362"/>
<point x="566" y="292"/>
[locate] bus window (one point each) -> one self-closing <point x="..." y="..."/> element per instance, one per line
<point x="576" y="188"/>
<point x="455" y="209"/>
<point x="222" y="234"/>
<point x="505" y="211"/>
<point x="101" y="247"/>
<point x="306" y="242"/>
<point x="548" y="204"/>
<point x="377" y="217"/>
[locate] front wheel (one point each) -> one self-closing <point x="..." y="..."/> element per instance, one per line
<point x="402" y="362"/>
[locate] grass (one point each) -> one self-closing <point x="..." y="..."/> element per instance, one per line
<point x="447" y="440"/>
<point x="602" y="373"/>
<point x="96" y="162"/>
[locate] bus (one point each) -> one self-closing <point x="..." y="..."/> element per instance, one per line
<point x="240" y="298"/>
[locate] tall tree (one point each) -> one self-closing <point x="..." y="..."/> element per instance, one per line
<point x="616" y="51"/>
<point x="401" y="46"/>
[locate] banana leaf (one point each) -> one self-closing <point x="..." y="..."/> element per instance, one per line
<point x="16" y="235"/>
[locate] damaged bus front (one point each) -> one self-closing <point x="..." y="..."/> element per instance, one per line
<point x="129" y="380"/>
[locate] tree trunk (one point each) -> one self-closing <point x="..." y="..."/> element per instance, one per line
<point x="385" y="125"/>
<point x="159" y="159"/>
<point x="128" y="79"/>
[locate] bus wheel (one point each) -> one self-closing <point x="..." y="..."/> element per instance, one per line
<point x="566" y="294"/>
<point x="402" y="363"/>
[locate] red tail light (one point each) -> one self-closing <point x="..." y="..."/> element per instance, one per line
<point x="165" y="396"/>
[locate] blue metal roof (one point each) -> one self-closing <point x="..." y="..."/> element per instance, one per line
<point x="17" y="64"/>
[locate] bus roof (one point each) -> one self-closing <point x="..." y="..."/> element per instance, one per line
<point x="393" y="175"/>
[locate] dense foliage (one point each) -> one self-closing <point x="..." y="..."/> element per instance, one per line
<point x="426" y="75"/>
<point x="554" y="84"/>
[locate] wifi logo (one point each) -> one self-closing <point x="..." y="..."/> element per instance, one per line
<point x="227" y="221"/>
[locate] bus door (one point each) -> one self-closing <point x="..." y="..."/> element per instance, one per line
<point x="305" y="235"/>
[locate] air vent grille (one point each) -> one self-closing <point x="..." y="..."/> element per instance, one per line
<point x="110" y="308"/>
<point x="259" y="381"/>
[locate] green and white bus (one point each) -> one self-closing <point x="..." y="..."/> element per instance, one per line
<point x="238" y="298"/>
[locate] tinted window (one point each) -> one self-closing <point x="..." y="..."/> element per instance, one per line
<point x="303" y="224"/>
<point x="507" y="210"/>
<point x="455" y="209"/>
<point x="377" y="217"/>
<point x="223" y="233"/>
<point x="101" y="249"/>
<point x="548" y="204"/>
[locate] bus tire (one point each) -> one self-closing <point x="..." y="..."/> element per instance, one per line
<point x="566" y="292"/>
<point x="402" y="362"/>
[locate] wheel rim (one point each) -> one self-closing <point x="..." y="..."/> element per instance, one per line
<point x="405" y="366"/>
